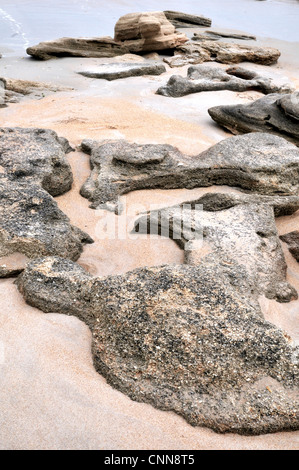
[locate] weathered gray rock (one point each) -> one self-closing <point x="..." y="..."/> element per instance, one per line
<point x="262" y="163"/>
<point x="147" y="32"/>
<point x="181" y="338"/>
<point x="32" y="225"/>
<point x="292" y="240"/>
<point x="114" y="71"/>
<point x="240" y="235"/>
<point x="77" y="47"/>
<point x="230" y="53"/>
<point x="185" y="20"/>
<point x="207" y="78"/>
<point x="264" y="115"/>
<point x="218" y="35"/>
<point x="36" y="156"/>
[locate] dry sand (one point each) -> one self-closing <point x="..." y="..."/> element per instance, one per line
<point x="50" y="396"/>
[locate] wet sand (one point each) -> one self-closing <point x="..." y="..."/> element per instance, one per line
<point x="51" y="397"/>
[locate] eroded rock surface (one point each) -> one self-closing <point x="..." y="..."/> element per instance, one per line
<point x="181" y="338"/>
<point x="114" y="71"/>
<point x="292" y="240"/>
<point x="218" y="35"/>
<point x="37" y="156"/>
<point x="239" y="230"/>
<point x="229" y="53"/>
<point x="185" y="20"/>
<point x="32" y="225"/>
<point x="274" y="114"/>
<point x="147" y="32"/>
<point x="206" y="78"/>
<point x="262" y="163"/>
<point x="77" y="47"/>
<point x="13" y="90"/>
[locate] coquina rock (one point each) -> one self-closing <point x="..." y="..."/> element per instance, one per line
<point x="181" y="338"/>
<point x="117" y="70"/>
<point x="230" y="53"/>
<point x="145" y="32"/>
<point x="32" y="225"/>
<point x="14" y="90"/>
<point x="292" y="240"/>
<point x="38" y="156"/>
<point x="239" y="230"/>
<point x="261" y="163"/>
<point x="185" y="20"/>
<point x="274" y="114"/>
<point x="218" y="35"/>
<point x="206" y="78"/>
<point x="77" y="47"/>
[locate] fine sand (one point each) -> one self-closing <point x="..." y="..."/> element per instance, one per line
<point x="50" y="395"/>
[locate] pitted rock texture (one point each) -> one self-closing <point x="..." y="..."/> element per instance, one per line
<point x="180" y="338"/>
<point x="37" y="156"/>
<point x="32" y="225"/>
<point x="185" y="20"/>
<point x="292" y="240"/>
<point x="274" y="113"/>
<point x="240" y="235"/>
<point x="77" y="47"/>
<point x="230" y="53"/>
<point x="147" y="32"/>
<point x="261" y="163"/>
<point x="206" y="78"/>
<point x="117" y="70"/>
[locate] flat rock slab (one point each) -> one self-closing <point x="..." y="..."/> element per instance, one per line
<point x="32" y="225"/>
<point x="37" y="156"/>
<point x="241" y="232"/>
<point x="14" y="90"/>
<point x="116" y="70"/>
<point x="181" y="338"/>
<point x="77" y="47"/>
<point x="185" y="20"/>
<point x="229" y="53"/>
<point x="261" y="163"/>
<point x="206" y="78"/>
<point x="292" y="240"/>
<point x="274" y="113"/>
<point x="218" y="35"/>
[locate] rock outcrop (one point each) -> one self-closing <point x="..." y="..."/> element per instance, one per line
<point x="32" y="225"/>
<point x="218" y="35"/>
<point x="207" y="78"/>
<point x="262" y="163"/>
<point x="36" y="156"/>
<point x="147" y="32"/>
<point x="274" y="114"/>
<point x="33" y="166"/>
<point x="181" y="338"/>
<point x="117" y="70"/>
<point x="292" y="240"/>
<point x="228" y="53"/>
<point x="14" y="90"/>
<point x="77" y="47"/>
<point x="185" y="20"/>
<point x="241" y="232"/>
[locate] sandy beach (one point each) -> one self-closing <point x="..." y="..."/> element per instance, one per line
<point x="51" y="396"/>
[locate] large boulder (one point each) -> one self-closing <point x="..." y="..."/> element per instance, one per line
<point x="181" y="338"/>
<point x="274" y="113"/>
<point x="262" y="163"/>
<point x="143" y="32"/>
<point x="207" y="78"/>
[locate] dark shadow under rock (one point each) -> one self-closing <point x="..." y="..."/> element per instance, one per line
<point x="181" y="338"/>
<point x="37" y="156"/>
<point x="32" y="225"/>
<point x="206" y="78"/>
<point x="292" y="240"/>
<point x="274" y="113"/>
<point x="114" y="71"/>
<point x="261" y="163"/>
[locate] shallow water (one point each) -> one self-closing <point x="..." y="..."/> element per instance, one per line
<point x="27" y="22"/>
